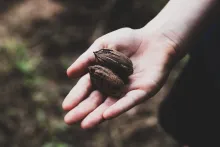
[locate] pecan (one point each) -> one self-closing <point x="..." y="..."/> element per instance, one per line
<point x="105" y="80"/>
<point x="116" y="61"/>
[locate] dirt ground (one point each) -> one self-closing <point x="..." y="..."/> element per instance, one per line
<point x="39" y="39"/>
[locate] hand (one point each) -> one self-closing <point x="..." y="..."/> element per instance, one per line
<point x="152" y="56"/>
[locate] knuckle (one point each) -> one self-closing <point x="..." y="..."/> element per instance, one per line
<point x="126" y="29"/>
<point x="100" y="40"/>
<point x="86" y="78"/>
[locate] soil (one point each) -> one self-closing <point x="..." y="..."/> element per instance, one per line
<point x="54" y="33"/>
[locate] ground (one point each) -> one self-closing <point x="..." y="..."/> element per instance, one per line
<point x="39" y="39"/>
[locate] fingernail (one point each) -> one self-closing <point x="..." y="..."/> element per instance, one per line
<point x="67" y="119"/>
<point x="106" y="114"/>
<point x="68" y="72"/>
<point x="84" y="125"/>
<point x="66" y="104"/>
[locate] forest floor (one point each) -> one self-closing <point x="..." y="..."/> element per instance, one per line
<point x="39" y="39"/>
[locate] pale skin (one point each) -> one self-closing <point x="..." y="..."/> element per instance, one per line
<point x="153" y="49"/>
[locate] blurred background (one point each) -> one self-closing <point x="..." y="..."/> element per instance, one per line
<point x="39" y="39"/>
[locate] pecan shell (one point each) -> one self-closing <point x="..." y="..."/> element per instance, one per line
<point x="106" y="81"/>
<point x="115" y="60"/>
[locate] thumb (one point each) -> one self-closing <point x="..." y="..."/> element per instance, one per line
<point x="79" y="67"/>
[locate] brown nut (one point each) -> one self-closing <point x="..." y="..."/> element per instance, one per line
<point x="115" y="61"/>
<point x="106" y="81"/>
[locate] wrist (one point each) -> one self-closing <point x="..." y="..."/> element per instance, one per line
<point x="181" y="22"/>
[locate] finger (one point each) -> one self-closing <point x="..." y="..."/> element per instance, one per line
<point x="84" y="108"/>
<point x="78" y="93"/>
<point x="79" y="67"/>
<point x="127" y="102"/>
<point x="96" y="117"/>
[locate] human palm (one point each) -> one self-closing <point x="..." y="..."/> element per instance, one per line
<point x="150" y="55"/>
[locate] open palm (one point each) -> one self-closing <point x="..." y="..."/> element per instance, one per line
<point x="151" y="60"/>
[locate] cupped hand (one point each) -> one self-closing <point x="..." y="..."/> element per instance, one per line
<point x="152" y="56"/>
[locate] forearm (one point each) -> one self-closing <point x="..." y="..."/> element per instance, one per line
<point x="181" y="20"/>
